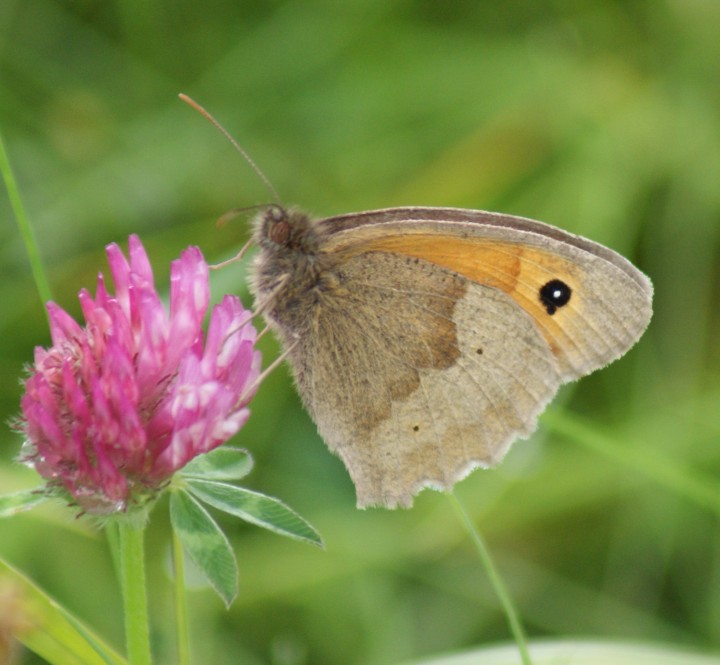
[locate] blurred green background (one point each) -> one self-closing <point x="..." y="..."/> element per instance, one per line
<point x="601" y="117"/>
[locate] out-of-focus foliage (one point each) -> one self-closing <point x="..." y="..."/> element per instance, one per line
<point x="599" y="117"/>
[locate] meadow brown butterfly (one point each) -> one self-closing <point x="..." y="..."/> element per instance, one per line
<point x="425" y="340"/>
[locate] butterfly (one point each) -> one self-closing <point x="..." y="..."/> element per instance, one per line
<point x="424" y="341"/>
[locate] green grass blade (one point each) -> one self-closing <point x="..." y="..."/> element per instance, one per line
<point x="47" y="629"/>
<point x="664" y="470"/>
<point x="26" y="229"/>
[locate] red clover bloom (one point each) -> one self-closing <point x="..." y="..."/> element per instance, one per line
<point x="113" y="409"/>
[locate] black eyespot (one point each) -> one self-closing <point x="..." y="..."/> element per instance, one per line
<point x="555" y="294"/>
<point x="479" y="351"/>
<point x="416" y="428"/>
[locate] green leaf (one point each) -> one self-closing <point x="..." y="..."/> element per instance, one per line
<point x="223" y="463"/>
<point x="46" y="628"/>
<point x="256" y="508"/>
<point x="17" y="502"/>
<point x="580" y="652"/>
<point x="205" y="543"/>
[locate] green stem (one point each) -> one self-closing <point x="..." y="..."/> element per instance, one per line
<point x="511" y="613"/>
<point x="181" y="621"/>
<point x="26" y="229"/>
<point x="132" y="578"/>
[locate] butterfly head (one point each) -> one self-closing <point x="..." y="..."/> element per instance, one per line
<point x="279" y="230"/>
<point x="289" y="263"/>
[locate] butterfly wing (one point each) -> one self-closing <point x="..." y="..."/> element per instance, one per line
<point x="609" y="300"/>
<point x="443" y="333"/>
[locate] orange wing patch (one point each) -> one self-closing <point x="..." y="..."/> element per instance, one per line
<point x="520" y="271"/>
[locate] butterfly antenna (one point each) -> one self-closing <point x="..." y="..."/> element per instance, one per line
<point x="206" y="114"/>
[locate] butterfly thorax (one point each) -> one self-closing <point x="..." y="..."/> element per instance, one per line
<point x="290" y="270"/>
